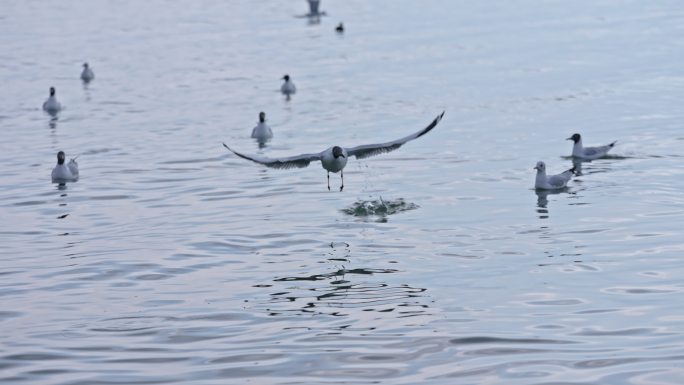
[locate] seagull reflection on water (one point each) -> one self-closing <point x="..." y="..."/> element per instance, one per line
<point x="542" y="196"/>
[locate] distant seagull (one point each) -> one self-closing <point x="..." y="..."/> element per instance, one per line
<point x="51" y="105"/>
<point x="552" y="182"/>
<point x="262" y="132"/>
<point x="313" y="7"/>
<point x="339" y="28"/>
<point x="63" y="173"/>
<point x="87" y="75"/>
<point x="288" y="88"/>
<point x="335" y="158"/>
<point x="588" y="153"/>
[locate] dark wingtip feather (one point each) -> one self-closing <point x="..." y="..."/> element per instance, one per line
<point x="613" y="144"/>
<point x="431" y="125"/>
<point x="238" y="154"/>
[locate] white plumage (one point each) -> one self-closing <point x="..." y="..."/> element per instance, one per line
<point x="87" y="74"/>
<point x="588" y="153"/>
<point x="52" y="105"/>
<point x="551" y="182"/>
<point x="63" y="173"/>
<point x="288" y="88"/>
<point x="262" y="132"/>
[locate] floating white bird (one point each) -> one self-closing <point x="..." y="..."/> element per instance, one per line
<point x="551" y="182"/>
<point x="288" y="88"/>
<point x="51" y="105"/>
<point x="63" y="173"/>
<point x="588" y="153"/>
<point x="87" y="75"/>
<point x="335" y="158"/>
<point x="262" y="132"/>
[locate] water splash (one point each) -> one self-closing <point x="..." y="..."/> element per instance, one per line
<point x="378" y="207"/>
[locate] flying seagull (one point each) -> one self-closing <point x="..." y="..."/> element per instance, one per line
<point x="551" y="182"/>
<point x="335" y="158"/>
<point x="588" y="153"/>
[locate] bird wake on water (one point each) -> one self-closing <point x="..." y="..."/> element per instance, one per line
<point x="334" y="159"/>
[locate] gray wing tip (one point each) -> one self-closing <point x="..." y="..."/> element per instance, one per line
<point x="238" y="154"/>
<point x="612" y="144"/>
<point x="431" y="125"/>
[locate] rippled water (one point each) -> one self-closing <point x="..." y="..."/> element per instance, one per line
<point x="172" y="261"/>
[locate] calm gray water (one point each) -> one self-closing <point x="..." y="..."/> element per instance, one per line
<point x="172" y="261"/>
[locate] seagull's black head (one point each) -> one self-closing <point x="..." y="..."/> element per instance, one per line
<point x="575" y="138"/>
<point x="52" y="91"/>
<point x="338" y="152"/>
<point x="262" y="117"/>
<point x="85" y="65"/>
<point x="60" y="157"/>
<point x="540" y="166"/>
<point x="286" y="78"/>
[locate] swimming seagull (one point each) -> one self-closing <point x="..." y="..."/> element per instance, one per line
<point x="339" y="28"/>
<point x="288" y="88"/>
<point x="87" y="75"/>
<point x="51" y="105"/>
<point x="63" y="173"/>
<point x="551" y="182"/>
<point x="588" y="153"/>
<point x="262" y="132"/>
<point x="335" y="158"/>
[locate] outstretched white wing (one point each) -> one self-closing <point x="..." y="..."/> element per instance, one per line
<point x="299" y="161"/>
<point x="367" y="150"/>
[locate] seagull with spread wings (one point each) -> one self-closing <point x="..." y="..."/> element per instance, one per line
<point x="334" y="159"/>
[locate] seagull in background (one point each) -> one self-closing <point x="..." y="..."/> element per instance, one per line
<point x="588" y="153"/>
<point x="288" y="88"/>
<point x="87" y="75"/>
<point x="551" y="182"/>
<point x="334" y="159"/>
<point x="63" y="173"/>
<point x="339" y="28"/>
<point x="262" y="132"/>
<point x="51" y="105"/>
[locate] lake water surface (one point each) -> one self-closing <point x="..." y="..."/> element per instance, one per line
<point x="171" y="261"/>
